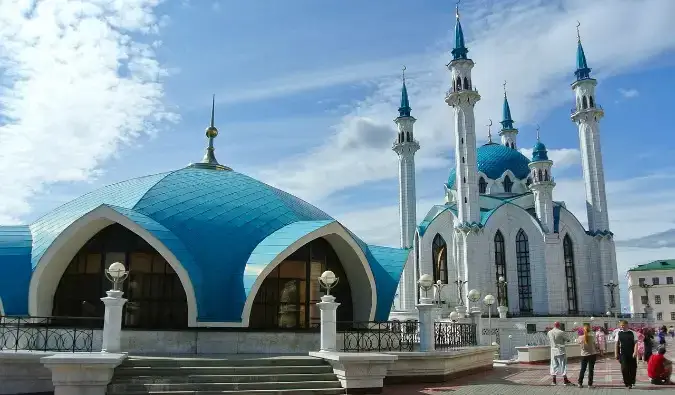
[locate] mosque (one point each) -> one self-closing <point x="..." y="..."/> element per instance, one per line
<point x="499" y="222"/>
<point x="206" y="246"/>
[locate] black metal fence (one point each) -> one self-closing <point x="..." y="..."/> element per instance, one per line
<point x="448" y="336"/>
<point x="379" y="336"/>
<point x="61" y="334"/>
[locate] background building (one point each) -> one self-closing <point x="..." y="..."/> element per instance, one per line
<point x="652" y="285"/>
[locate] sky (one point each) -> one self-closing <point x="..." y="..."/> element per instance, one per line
<point x="98" y="91"/>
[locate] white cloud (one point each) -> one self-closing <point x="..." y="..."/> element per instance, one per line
<point x="629" y="93"/>
<point x="539" y="72"/>
<point x="78" y="81"/>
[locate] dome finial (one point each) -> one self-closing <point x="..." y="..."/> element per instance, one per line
<point x="489" y="126"/>
<point x="578" y="34"/>
<point x="504" y="84"/>
<point x="457" y="9"/>
<point x="537" y="132"/>
<point x="209" y="161"/>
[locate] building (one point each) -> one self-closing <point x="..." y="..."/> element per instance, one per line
<point x="205" y="246"/>
<point x="500" y="220"/>
<point x="651" y="286"/>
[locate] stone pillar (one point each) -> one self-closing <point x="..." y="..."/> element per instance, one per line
<point x="476" y="319"/>
<point x="82" y="373"/>
<point x="328" y="308"/>
<point x="425" y="308"/>
<point x="112" y="321"/>
<point x="503" y="310"/>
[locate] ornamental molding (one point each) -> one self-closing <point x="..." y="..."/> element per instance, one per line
<point x="600" y="234"/>
<point x="469" y="227"/>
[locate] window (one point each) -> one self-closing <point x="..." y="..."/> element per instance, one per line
<point x="659" y="316"/>
<point x="156" y="299"/>
<point x="500" y="265"/>
<point x="288" y="296"/>
<point x="590" y="102"/>
<point x="462" y="159"/>
<point x="672" y="316"/>
<point x="482" y="185"/>
<point x="529" y="181"/>
<point x="507" y="184"/>
<point x="439" y="252"/>
<point x="570" y="275"/>
<point x="641" y="281"/>
<point x="669" y="280"/>
<point x="655" y="281"/>
<point x="466" y="83"/>
<point x="584" y="103"/>
<point x="524" y="279"/>
<point x="532" y="328"/>
<point x="671" y="299"/>
<point x="644" y="300"/>
<point x="657" y="299"/>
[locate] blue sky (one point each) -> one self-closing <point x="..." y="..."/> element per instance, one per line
<point x="306" y="92"/>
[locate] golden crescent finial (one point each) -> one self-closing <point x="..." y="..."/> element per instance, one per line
<point x="403" y="73"/>
<point x="504" y="88"/>
<point x="457" y="9"/>
<point x="489" y="126"/>
<point x="537" y="132"/>
<point x="578" y="34"/>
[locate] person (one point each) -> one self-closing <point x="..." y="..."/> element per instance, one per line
<point x="601" y="337"/>
<point x="641" y="345"/>
<point x="671" y="330"/>
<point x="648" y="344"/>
<point x="589" y="353"/>
<point x="625" y="350"/>
<point x="659" y="368"/>
<point x="662" y="335"/>
<point x="556" y="338"/>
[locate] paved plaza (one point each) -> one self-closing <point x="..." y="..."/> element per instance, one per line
<point x="535" y="379"/>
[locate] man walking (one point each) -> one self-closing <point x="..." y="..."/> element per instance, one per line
<point x="626" y="349"/>
<point x="556" y="338"/>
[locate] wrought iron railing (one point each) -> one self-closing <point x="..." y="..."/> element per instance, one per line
<point x="541" y="338"/>
<point x="379" y="336"/>
<point x="61" y="334"/>
<point x="448" y="335"/>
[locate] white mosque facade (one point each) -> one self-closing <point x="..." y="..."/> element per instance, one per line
<point x="499" y="219"/>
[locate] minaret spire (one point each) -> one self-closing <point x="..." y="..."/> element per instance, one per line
<point x="459" y="51"/>
<point x="508" y="132"/>
<point x="405" y="147"/>
<point x="209" y="161"/>
<point x="583" y="72"/>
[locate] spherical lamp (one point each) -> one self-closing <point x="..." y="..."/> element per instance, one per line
<point x="116" y="273"/>
<point x="328" y="280"/>
<point x="454" y="316"/>
<point x="489" y="300"/>
<point x="474" y="295"/>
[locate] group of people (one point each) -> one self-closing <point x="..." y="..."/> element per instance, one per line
<point x="629" y="347"/>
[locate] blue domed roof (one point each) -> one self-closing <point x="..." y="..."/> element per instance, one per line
<point x="217" y="223"/>
<point x="539" y="152"/>
<point x="494" y="159"/>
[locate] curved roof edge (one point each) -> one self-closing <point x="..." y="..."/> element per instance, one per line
<point x="15" y="253"/>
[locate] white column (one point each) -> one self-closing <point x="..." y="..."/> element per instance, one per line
<point x="425" y="308"/>
<point x="112" y="321"/>
<point x="328" y="308"/>
<point x="82" y="373"/>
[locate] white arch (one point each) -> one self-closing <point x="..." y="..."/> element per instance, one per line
<point x="361" y="279"/>
<point x="55" y="260"/>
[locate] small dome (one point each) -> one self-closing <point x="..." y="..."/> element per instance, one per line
<point x="539" y="152"/>
<point x="494" y="159"/>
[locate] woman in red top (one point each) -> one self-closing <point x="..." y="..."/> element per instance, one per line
<point x="659" y="368"/>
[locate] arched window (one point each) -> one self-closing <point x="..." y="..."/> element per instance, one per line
<point x="500" y="266"/>
<point x="156" y="299"/>
<point x="459" y="83"/>
<point x="584" y="103"/>
<point x="524" y="278"/>
<point x="529" y="181"/>
<point x="288" y="296"/>
<point x="466" y="83"/>
<point x="570" y="276"/>
<point x="439" y="253"/>
<point x="482" y="185"/>
<point x="545" y="175"/>
<point x="539" y="175"/>
<point x="590" y="102"/>
<point x="507" y="184"/>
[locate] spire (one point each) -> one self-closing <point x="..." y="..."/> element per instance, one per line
<point x="489" y="126"/>
<point x="507" y="122"/>
<point x="583" y="71"/>
<point x="460" y="50"/>
<point x="539" y="151"/>
<point x="404" y="109"/>
<point x="209" y="161"/>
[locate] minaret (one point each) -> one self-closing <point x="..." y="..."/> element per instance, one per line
<point x="508" y="132"/>
<point x="209" y="161"/>
<point x="587" y="116"/>
<point x="462" y="98"/>
<point x="406" y="146"/>
<point x="542" y="185"/>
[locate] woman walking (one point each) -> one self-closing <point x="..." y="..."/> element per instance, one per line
<point x="641" y="344"/>
<point x="589" y="353"/>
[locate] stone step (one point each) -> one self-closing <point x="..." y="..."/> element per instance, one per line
<point x="233" y="378"/>
<point x="238" y="361"/>
<point x="124" y="388"/>
<point x="124" y="371"/>
<point x="304" y="391"/>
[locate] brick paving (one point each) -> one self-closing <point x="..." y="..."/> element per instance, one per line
<point x="535" y="379"/>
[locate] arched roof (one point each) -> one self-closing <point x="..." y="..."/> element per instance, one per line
<point x="218" y="218"/>
<point x="494" y="159"/>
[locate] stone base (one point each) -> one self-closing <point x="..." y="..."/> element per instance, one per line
<point x="359" y="372"/>
<point x="82" y="373"/>
<point x="22" y="373"/>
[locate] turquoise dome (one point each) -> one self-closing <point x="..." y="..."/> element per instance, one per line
<point x="539" y="152"/>
<point x="219" y="224"/>
<point x="494" y="159"/>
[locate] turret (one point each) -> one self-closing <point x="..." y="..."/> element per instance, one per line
<point x="508" y="132"/>
<point x="542" y="184"/>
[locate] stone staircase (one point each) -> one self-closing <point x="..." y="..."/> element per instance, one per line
<point x="259" y="375"/>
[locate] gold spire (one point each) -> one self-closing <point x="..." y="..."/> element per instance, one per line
<point x="504" y="84"/>
<point x="489" y="126"/>
<point x="578" y="34"/>
<point x="212" y="131"/>
<point x="209" y="161"/>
